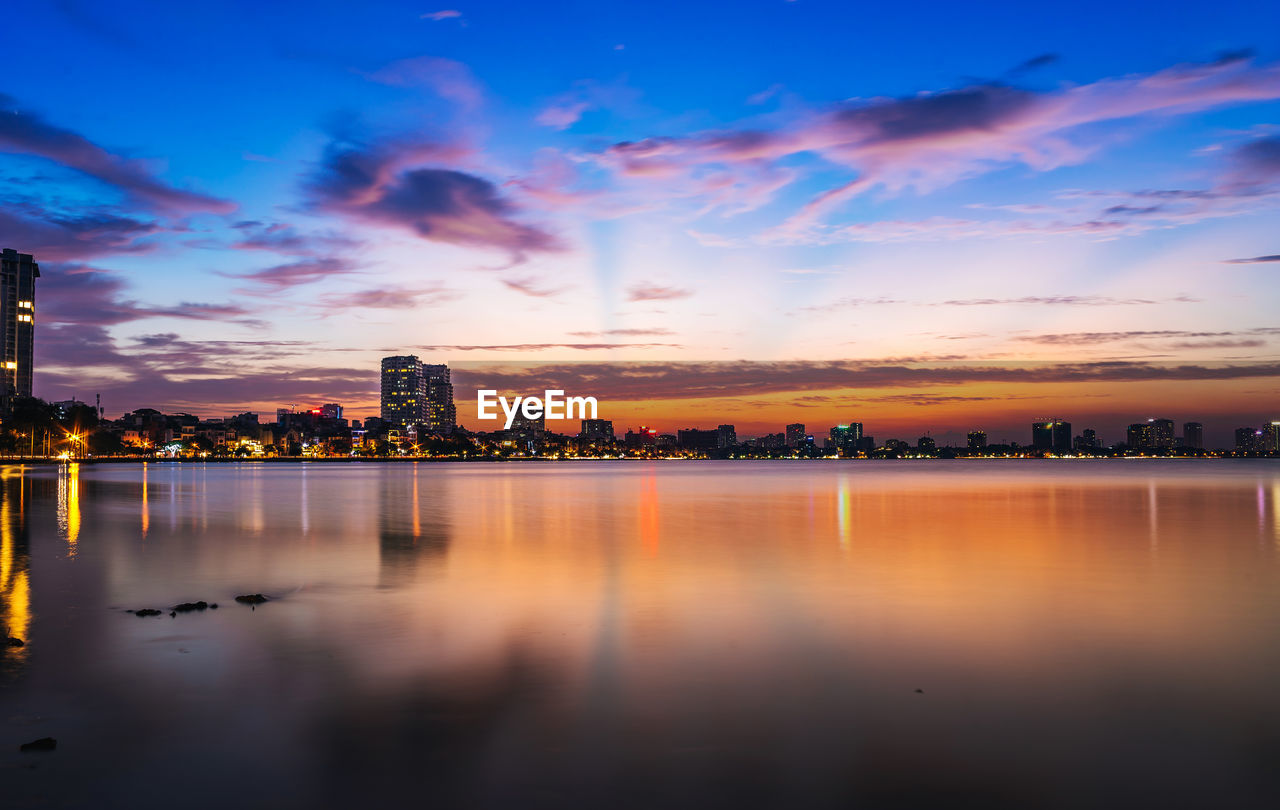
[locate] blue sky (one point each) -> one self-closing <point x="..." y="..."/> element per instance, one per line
<point x="248" y="204"/>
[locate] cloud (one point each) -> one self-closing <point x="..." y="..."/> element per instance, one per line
<point x="279" y="237"/>
<point x="933" y="139"/>
<point x="535" y="347"/>
<point x="1092" y="338"/>
<point x="567" y="109"/>
<point x="391" y="298"/>
<point x="623" y="333"/>
<point x="446" y="78"/>
<point x="292" y="274"/>
<point x="532" y="287"/>
<point x="647" y="291"/>
<point x="647" y="381"/>
<point x="386" y="184"/>
<point x="55" y="236"/>
<point x="25" y="132"/>
<point x="1051" y="300"/>
<point x="446" y="14"/>
<point x="1255" y="260"/>
<point x="80" y="295"/>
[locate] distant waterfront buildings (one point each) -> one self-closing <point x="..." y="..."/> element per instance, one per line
<point x="977" y="440"/>
<point x="1052" y="434"/>
<point x="727" y="436"/>
<point x="1193" y="436"/>
<point x="18" y="274"/>
<point x="1161" y="433"/>
<point x="795" y="435"/>
<point x="1140" y="436"/>
<point x="414" y="393"/>
<point x="596" y="430"/>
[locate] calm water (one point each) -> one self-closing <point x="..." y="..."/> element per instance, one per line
<point x="740" y="634"/>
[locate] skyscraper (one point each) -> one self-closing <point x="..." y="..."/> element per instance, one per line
<point x="18" y="274"/>
<point x="977" y="440"/>
<point x="1161" y="432"/>
<point x="1193" y="435"/>
<point x="1140" y="436"/>
<point x="1053" y="434"/>
<point x="795" y="435"/>
<point x="442" y="416"/>
<point x="414" y="393"/>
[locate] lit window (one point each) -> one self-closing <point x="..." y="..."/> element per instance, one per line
<point x="25" y="318"/>
<point x="24" y="305"/>
<point x="10" y="364"/>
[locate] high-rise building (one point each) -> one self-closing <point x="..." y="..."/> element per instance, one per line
<point x="1193" y="436"/>
<point x="18" y="274"/>
<point x="1088" y="440"/>
<point x="331" y="410"/>
<point x="1140" y="436"/>
<point x="977" y="440"/>
<point x="596" y="430"/>
<point x="1052" y="434"/>
<point x="1161" y="433"/>
<point x="414" y="393"/>
<point x="926" y="444"/>
<point x="727" y="436"/>
<point x="795" y="435"/>
<point x="442" y="415"/>
<point x="1248" y="438"/>
<point x="1271" y="437"/>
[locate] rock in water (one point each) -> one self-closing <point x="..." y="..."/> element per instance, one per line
<point x="42" y="744"/>
<point x="14" y="642"/>
<point x="146" y="612"/>
<point x="186" y="607"/>
<point x="251" y="599"/>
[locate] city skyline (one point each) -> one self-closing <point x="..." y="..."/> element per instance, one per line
<point x="936" y="232"/>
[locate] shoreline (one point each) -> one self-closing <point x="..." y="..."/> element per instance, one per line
<point x="538" y="460"/>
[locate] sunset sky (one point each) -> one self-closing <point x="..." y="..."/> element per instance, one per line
<point x="924" y="217"/>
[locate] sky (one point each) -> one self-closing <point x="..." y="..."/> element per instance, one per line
<point x="928" y="217"/>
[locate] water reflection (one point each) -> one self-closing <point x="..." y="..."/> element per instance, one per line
<point x="645" y="635"/>
<point x="15" y="569"/>
<point x="413" y="523"/>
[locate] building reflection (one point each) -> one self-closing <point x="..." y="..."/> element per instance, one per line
<point x="413" y="524"/>
<point x="15" y="565"/>
<point x="69" y="505"/>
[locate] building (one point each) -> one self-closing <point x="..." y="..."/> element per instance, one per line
<point x="795" y="435"/>
<point x="331" y="410"/>
<point x="442" y="415"/>
<point x="1193" y="436"/>
<point x="1140" y="436"/>
<point x="414" y="393"/>
<point x="728" y="437"/>
<point x="926" y="444"/>
<point x="18" y="274"/>
<point x="596" y="430"/>
<point x="695" y="439"/>
<point x="977" y="440"/>
<point x="1248" y="439"/>
<point x="1271" y="437"/>
<point x="1052" y="434"/>
<point x="1088" y="440"/>
<point x="1161" y="433"/>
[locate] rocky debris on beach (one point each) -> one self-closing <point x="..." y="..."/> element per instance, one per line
<point x="145" y="612"/>
<point x="251" y="599"/>
<point x="11" y="641"/>
<point x="42" y="744"/>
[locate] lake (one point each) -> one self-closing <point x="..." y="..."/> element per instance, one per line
<point x="929" y="634"/>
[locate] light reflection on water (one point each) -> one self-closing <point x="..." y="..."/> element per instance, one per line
<point x="644" y="635"/>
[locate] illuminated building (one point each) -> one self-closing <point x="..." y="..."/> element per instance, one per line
<point x="18" y="274"/>
<point x="1088" y="440"/>
<point x="696" y="439"/>
<point x="926" y="444"/>
<point x="1052" y="434"/>
<point x="415" y="393"/>
<point x="977" y="440"/>
<point x="1271" y="437"/>
<point x="1193" y="436"/>
<point x="1248" y="439"/>
<point x="597" y="430"/>
<point x="795" y="435"/>
<point x="1161" y="433"/>
<point x="331" y="410"/>
<point x="1139" y="436"/>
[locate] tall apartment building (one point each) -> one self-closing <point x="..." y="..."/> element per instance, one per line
<point x="414" y="393"/>
<point x="18" y="274"/>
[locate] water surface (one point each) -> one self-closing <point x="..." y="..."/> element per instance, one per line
<point x="635" y="634"/>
